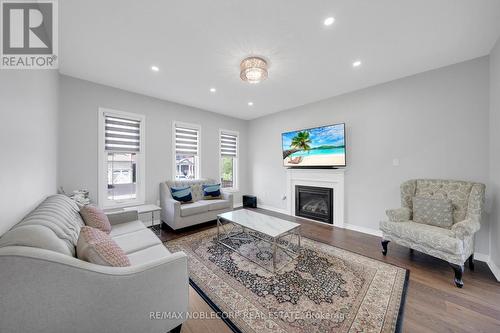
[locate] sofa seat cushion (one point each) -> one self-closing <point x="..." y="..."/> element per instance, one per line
<point x="148" y="254"/>
<point x="194" y="208"/>
<point x="217" y="204"/>
<point x="137" y="240"/>
<point x="126" y="227"/>
<point x="427" y="235"/>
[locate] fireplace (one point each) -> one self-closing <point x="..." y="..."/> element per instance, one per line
<point x="314" y="203"/>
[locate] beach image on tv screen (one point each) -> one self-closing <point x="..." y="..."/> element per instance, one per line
<point x="321" y="146"/>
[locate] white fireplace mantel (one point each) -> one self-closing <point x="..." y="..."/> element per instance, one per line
<point x="329" y="178"/>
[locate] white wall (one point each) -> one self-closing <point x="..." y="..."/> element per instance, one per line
<point x="28" y="141"/>
<point x="78" y="155"/>
<point x="495" y="155"/>
<point x="435" y="122"/>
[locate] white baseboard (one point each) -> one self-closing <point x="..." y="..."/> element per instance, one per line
<point x="481" y="257"/>
<point x="364" y="230"/>
<point x="487" y="259"/>
<point x="494" y="269"/>
<point x="274" y="209"/>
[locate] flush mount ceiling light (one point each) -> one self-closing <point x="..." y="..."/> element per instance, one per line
<point x="329" y="21"/>
<point x="155" y="68"/>
<point x="356" y="63"/>
<point x="212" y="90"/>
<point x="250" y="103"/>
<point x="253" y="69"/>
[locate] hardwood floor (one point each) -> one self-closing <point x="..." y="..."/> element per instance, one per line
<point x="433" y="303"/>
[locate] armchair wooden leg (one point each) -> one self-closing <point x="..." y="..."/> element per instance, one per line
<point x="384" y="246"/>
<point x="471" y="262"/>
<point x="411" y="251"/>
<point x="176" y="329"/>
<point x="459" y="270"/>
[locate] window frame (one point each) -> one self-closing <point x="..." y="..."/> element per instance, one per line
<point x="192" y="126"/>
<point x="236" y="164"/>
<point x="102" y="181"/>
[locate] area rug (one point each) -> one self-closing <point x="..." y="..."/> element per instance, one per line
<point x="326" y="289"/>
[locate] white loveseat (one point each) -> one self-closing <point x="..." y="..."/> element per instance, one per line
<point x="45" y="288"/>
<point x="178" y="215"/>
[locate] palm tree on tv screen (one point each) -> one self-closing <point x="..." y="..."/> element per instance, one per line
<point x="301" y="141"/>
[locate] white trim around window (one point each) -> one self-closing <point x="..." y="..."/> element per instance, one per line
<point x="180" y="124"/>
<point x="102" y="182"/>
<point x="235" y="186"/>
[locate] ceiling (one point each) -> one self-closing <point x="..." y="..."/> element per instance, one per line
<point x="199" y="44"/>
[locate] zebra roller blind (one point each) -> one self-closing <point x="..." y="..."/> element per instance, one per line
<point x="121" y="134"/>
<point x="228" y="144"/>
<point x="186" y="141"/>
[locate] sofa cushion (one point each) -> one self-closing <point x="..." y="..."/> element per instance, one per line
<point x="97" y="247"/>
<point x="96" y="218"/>
<point x="194" y="208"/>
<point x="126" y="227"/>
<point x="211" y="192"/>
<point x="427" y="235"/>
<point x="61" y="218"/>
<point x="182" y="194"/>
<point x="436" y="212"/>
<point x="148" y="254"/>
<point x="216" y="204"/>
<point x="137" y="240"/>
<point x="196" y="186"/>
<point x="456" y="191"/>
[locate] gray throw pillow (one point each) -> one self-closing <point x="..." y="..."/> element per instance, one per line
<point x="437" y="212"/>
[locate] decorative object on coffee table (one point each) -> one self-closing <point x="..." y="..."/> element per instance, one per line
<point x="434" y="235"/>
<point x="327" y="289"/>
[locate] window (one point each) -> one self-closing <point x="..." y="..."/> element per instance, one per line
<point x="121" y="158"/>
<point x="228" y="143"/>
<point x="186" y="151"/>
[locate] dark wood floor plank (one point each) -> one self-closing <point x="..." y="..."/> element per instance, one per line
<point x="433" y="303"/>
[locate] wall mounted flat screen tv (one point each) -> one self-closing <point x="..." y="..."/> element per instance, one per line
<point x="319" y="147"/>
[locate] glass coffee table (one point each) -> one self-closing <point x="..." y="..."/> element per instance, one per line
<point x="244" y="225"/>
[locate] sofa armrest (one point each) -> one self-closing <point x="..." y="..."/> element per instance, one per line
<point x="170" y="208"/>
<point x="467" y="227"/>
<point x="122" y="217"/>
<point x="70" y="295"/>
<point x="398" y="214"/>
<point x="228" y="196"/>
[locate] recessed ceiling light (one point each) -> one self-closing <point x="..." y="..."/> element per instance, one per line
<point x="250" y="103"/>
<point x="212" y="90"/>
<point x="155" y="68"/>
<point x="357" y="63"/>
<point x="329" y="21"/>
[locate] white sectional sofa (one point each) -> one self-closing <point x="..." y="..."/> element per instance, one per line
<point x="178" y="215"/>
<point x="44" y="287"/>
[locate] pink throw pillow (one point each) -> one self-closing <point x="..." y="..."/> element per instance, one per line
<point x="97" y="247"/>
<point x="96" y="218"/>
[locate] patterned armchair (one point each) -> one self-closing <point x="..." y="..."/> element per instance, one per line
<point x="455" y="244"/>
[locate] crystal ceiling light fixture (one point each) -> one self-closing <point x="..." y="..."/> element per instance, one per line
<point x="253" y="69"/>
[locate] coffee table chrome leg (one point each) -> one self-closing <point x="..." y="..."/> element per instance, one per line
<point x="274" y="255"/>
<point x="300" y="237"/>
<point x="218" y="222"/>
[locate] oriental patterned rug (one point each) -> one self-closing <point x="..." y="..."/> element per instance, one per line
<point x="326" y="289"/>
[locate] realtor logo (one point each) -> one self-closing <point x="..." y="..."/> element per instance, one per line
<point x="29" y="34"/>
